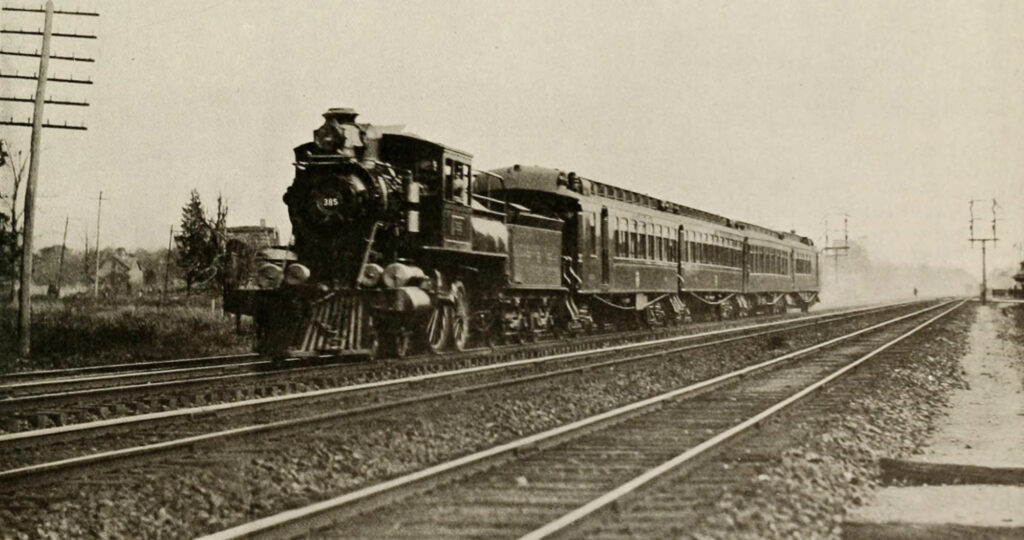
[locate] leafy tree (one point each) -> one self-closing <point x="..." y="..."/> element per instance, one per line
<point x="46" y="265"/>
<point x="201" y="242"/>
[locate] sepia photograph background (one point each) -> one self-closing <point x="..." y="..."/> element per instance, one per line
<point x="890" y="116"/>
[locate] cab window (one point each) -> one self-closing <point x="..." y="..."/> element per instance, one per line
<point x="456" y="177"/>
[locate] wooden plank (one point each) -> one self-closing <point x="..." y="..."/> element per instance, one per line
<point x="905" y="472"/>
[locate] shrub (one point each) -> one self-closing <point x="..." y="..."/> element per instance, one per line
<point x="83" y="332"/>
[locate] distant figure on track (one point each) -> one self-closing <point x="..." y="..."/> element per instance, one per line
<point x="915" y="292"/>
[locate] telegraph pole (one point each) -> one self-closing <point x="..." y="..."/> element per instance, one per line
<point x="984" y="243"/>
<point x="29" y="215"/>
<point x="85" y="259"/>
<point x="63" y="247"/>
<point x="836" y="251"/>
<point x="37" y="125"/>
<point x="96" y="276"/>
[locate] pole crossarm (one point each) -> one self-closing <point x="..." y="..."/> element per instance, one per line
<point x="48" y="101"/>
<point x="38" y="32"/>
<point x="35" y="76"/>
<point x="35" y="54"/>
<point x="44" y="124"/>
<point x="55" y="12"/>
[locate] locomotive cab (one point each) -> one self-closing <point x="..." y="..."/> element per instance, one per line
<point x="439" y="191"/>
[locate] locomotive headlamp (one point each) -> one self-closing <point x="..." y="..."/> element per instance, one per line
<point x="296" y="274"/>
<point x="268" y="276"/>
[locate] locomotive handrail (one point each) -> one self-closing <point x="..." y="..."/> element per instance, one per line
<point x="501" y="180"/>
<point x="484" y="204"/>
<point x="366" y="253"/>
<point x="571" y="276"/>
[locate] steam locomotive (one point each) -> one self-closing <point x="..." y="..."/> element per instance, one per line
<point x="400" y="245"/>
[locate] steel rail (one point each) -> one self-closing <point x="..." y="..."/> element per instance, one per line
<point x="29" y="473"/>
<point x="302" y="520"/>
<point x="207" y="410"/>
<point x="47" y="383"/>
<point x="20" y="474"/>
<point x="68" y="374"/>
<point x="573" y="517"/>
<point x="11" y="398"/>
<point x="58" y="374"/>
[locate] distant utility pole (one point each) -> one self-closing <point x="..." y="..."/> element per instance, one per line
<point x="835" y="251"/>
<point x="96" y="276"/>
<point x="85" y="259"/>
<point x="984" y="242"/>
<point x="63" y="247"/>
<point x="167" y="264"/>
<point x="37" y="124"/>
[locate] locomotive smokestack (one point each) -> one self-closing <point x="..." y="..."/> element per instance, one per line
<point x="340" y="134"/>
<point x="343" y="115"/>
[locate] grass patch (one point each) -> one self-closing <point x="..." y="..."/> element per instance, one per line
<point x="72" y="333"/>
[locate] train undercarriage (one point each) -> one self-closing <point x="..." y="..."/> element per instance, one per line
<point x="452" y="317"/>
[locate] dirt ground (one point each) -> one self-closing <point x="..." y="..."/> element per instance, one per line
<point x="985" y="425"/>
<point x="984" y="428"/>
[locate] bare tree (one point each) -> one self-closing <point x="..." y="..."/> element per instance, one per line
<point x="9" y="195"/>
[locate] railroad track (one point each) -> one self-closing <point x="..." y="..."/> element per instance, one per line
<point x="72" y="465"/>
<point x="282" y="411"/>
<point x="40" y="404"/>
<point x="128" y="368"/>
<point x="554" y="482"/>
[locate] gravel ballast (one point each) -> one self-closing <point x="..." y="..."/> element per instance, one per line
<point x="27" y="454"/>
<point x="213" y="488"/>
<point x="817" y="462"/>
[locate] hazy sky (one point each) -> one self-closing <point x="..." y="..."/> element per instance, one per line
<point x="781" y="113"/>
